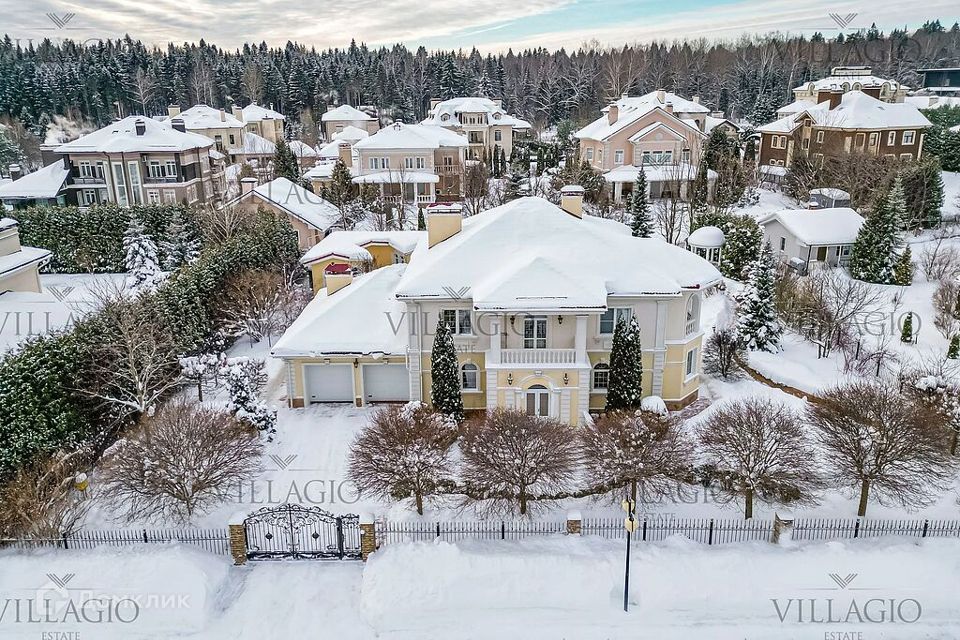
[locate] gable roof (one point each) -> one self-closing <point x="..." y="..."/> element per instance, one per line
<point x="297" y="202"/>
<point x="350" y="245"/>
<point x="255" y="113"/>
<point x="819" y="227"/>
<point x="856" y="110"/>
<point x="411" y="136"/>
<point x="257" y="145"/>
<point x="301" y="149"/>
<point x="351" y="134"/>
<point x="202" y="116"/>
<point x="446" y="113"/>
<point x="631" y="109"/>
<point x="653" y="126"/>
<point x="345" y="113"/>
<point x="42" y="183"/>
<point x="121" y="137"/>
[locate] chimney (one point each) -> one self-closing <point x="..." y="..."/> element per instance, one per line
<point x="141" y="127"/>
<point x="237" y="113"/>
<point x="247" y="185"/>
<point x="173" y="110"/>
<point x="345" y="153"/>
<point x="498" y="102"/>
<point x="178" y="125"/>
<point x="223" y="115"/>
<point x="613" y="112"/>
<point x="16" y="171"/>
<point x="696" y="99"/>
<point x="571" y="200"/>
<point x="434" y="102"/>
<point x="670" y="107"/>
<point x="336" y="276"/>
<point x="444" y="221"/>
<point x="661" y="95"/>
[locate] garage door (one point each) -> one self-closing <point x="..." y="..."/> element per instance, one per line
<point x="386" y="383"/>
<point x="329" y="383"/>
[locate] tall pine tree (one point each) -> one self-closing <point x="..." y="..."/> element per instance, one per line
<point x="141" y="257"/>
<point x="625" y="387"/>
<point x="639" y="208"/>
<point x="875" y="252"/>
<point x="445" y="390"/>
<point x="758" y="325"/>
<point x="285" y="163"/>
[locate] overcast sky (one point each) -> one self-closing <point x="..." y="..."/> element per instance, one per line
<point x="490" y="25"/>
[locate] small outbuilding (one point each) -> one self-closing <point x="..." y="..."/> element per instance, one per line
<point x="707" y="242"/>
<point x="830" y="197"/>
<point x="805" y="237"/>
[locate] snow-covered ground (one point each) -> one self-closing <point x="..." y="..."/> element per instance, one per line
<point x="538" y="588"/>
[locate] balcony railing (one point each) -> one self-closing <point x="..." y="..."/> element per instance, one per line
<point x="538" y="356"/>
<point x="98" y="179"/>
<point x="162" y="179"/>
<point x="449" y="169"/>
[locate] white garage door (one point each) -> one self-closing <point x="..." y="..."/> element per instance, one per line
<point x="386" y="383"/>
<point x="329" y="383"/>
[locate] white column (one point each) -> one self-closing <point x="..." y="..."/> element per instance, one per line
<point x="580" y="343"/>
<point x="660" y="348"/>
<point x="617" y="191"/>
<point x="495" y="323"/>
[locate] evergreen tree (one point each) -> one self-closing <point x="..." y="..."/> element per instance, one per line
<point x="875" y="251"/>
<point x="10" y="153"/>
<point x="638" y="206"/>
<point x="180" y="246"/>
<point x="340" y="192"/>
<point x="906" y="332"/>
<point x="285" y="163"/>
<point x="141" y="257"/>
<point x="903" y="270"/>
<point x="445" y="389"/>
<point x="758" y="324"/>
<point x="701" y="189"/>
<point x="421" y="221"/>
<point x="514" y="187"/>
<point x="742" y="244"/>
<point x="625" y="386"/>
<point x="953" y="352"/>
<point x="923" y="186"/>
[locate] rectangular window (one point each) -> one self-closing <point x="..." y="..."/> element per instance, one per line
<point x="874" y="138"/>
<point x="172" y="169"/>
<point x="233" y="140"/>
<point x="599" y="156"/>
<point x="153" y="196"/>
<point x="120" y="185"/>
<point x="601" y="377"/>
<point x="421" y="163"/>
<point x="169" y="196"/>
<point x="86" y="169"/>
<point x="408" y="163"/>
<point x="891" y="138"/>
<point x="88" y="197"/>
<point x="589" y="154"/>
<point x="154" y="169"/>
<point x="497" y="135"/>
<point x="908" y="137"/>
<point x="805" y="143"/>
<point x="459" y="321"/>
<point x="135" y="185"/>
<point x="618" y="157"/>
<point x="610" y="317"/>
<point x="819" y="136"/>
<point x="858" y="142"/>
<point x="192" y="193"/>
<point x="535" y="332"/>
<point x="906" y="156"/>
<point x="685" y="155"/>
<point x="783" y="243"/>
<point x="691" y="367"/>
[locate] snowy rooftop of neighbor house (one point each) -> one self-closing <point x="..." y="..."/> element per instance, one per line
<point x="302" y="150"/>
<point x="411" y="136"/>
<point x="7" y="223"/>
<point x="202" y="116"/>
<point x="657" y="172"/>
<point x="397" y="176"/>
<point x="298" y="202"/>
<point x="630" y="109"/>
<point x="576" y="263"/>
<point x="255" y="113"/>
<point x="707" y="237"/>
<point x="329" y="324"/>
<point x="42" y="183"/>
<point x="857" y="110"/>
<point x="710" y="123"/>
<point x="121" y="137"/>
<point x="830" y="192"/>
<point x="257" y="145"/>
<point x="795" y="107"/>
<point x="955" y="129"/>
<point x="323" y="170"/>
<point x="447" y="113"/>
<point x="350" y="245"/>
<point x="845" y="82"/>
<point x="350" y="134"/>
<point x="332" y="149"/>
<point x="345" y="113"/>
<point x="819" y="227"/>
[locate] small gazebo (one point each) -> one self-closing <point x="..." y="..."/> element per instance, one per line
<point x="707" y="242"/>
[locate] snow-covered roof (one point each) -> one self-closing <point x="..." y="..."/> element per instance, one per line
<point x="795" y="107"/>
<point x="830" y="192"/>
<point x="202" y="116"/>
<point x="329" y="324"/>
<point x="707" y="237"/>
<point x="323" y="170"/>
<point x="657" y="172"/>
<point x="7" y="223"/>
<point x="22" y="258"/>
<point x="447" y="113"/>
<point x="772" y="170"/>
<point x="350" y="134"/>
<point x="302" y="150"/>
<point x="121" y="137"/>
<point x="332" y="149"/>
<point x="955" y="129"/>
<point x="345" y="113"/>
<point x="710" y="123"/>
<point x="856" y="110"/>
<point x="819" y="227"/>
<point x="629" y="110"/>
<point x="933" y="102"/>
<point x="298" y="202"/>
<point x="577" y="262"/>
<point x="351" y="245"/>
<point x="845" y="82"/>
<point x="257" y="145"/>
<point x="255" y="113"/>
<point x="653" y="126"/>
<point x="399" y="176"/>
<point x="411" y="136"/>
<point x="42" y="183"/>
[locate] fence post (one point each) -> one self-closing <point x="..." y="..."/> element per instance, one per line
<point x="856" y="529"/>
<point x="368" y="536"/>
<point x="574" y="523"/>
<point x="644" y="534"/>
<point x="710" y="534"/>
<point x="65" y="536"/>
<point x="782" y="528"/>
<point x="145" y="536"/>
<point x="926" y="527"/>
<point x="237" y="534"/>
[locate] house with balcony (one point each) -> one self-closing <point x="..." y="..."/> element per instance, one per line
<point x="223" y="128"/>
<point x="45" y="186"/>
<point x="412" y="163"/>
<point x="19" y="265"/>
<point x="337" y="119"/>
<point x="138" y="160"/>
<point x="532" y="292"/>
<point x="659" y="133"/>
<point x="858" y="123"/>
<point x="482" y="120"/>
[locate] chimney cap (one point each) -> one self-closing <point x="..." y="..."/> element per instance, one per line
<point x="248" y="179"/>
<point x="572" y="190"/>
<point x="445" y="207"/>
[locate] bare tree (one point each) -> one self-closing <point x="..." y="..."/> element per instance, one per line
<point x="640" y="451"/>
<point x="934" y="386"/>
<point x="142" y="86"/>
<point x="759" y="450"/>
<point x="946" y="308"/>
<point x="251" y="303"/>
<point x="511" y="456"/>
<point x="877" y="443"/>
<point x="404" y="452"/>
<point x="46" y="499"/>
<point x="724" y="345"/>
<point x="180" y="462"/>
<point x="252" y="82"/>
<point x="476" y="188"/>
<point x="939" y="259"/>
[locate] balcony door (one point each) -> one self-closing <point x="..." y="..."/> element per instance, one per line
<point x="535" y="332"/>
<point x="538" y="401"/>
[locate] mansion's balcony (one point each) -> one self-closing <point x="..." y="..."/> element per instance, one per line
<point x="90" y="179"/>
<point x="448" y="169"/>
<point x="538" y="356"/>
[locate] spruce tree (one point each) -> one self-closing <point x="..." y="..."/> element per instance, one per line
<point x="285" y="163"/>
<point x="903" y="271"/>
<point x="140" y="256"/>
<point x="513" y="188"/>
<point x="701" y="190"/>
<point x="445" y="393"/>
<point x="180" y="246"/>
<point x="953" y="352"/>
<point x="742" y="245"/>
<point x="625" y="386"/>
<point x="421" y="221"/>
<point x="906" y="332"/>
<point x="875" y="251"/>
<point x="758" y="324"/>
<point x="639" y="208"/>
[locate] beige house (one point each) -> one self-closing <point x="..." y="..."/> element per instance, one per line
<point x="223" y="128"/>
<point x="262" y="121"/>
<point x="844" y="79"/>
<point x="482" y="120"/>
<point x="412" y="163"/>
<point x="532" y="293"/>
<point x="336" y="119"/>
<point x="19" y="265"/>
<point x="138" y="160"/>
<point x="659" y="133"/>
<point x="361" y="251"/>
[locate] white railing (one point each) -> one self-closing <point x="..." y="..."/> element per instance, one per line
<point x="393" y="199"/>
<point x="424" y="199"/>
<point x="538" y="356"/>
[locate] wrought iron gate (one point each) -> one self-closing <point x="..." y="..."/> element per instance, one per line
<point x="299" y="532"/>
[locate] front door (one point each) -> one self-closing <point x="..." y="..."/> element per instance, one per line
<point x="538" y="401"/>
<point x="535" y="332"/>
<point x="822" y="254"/>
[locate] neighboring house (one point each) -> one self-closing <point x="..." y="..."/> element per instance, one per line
<point x="829" y="197"/>
<point x="659" y="132"/>
<point x="858" y="124"/>
<point x="717" y="121"/>
<point x="806" y="237"/>
<point x="337" y="119"/>
<point x="19" y="265"/>
<point x="306" y="155"/>
<point x="412" y="163"/>
<point x="223" y="128"/>
<point x="262" y="121"/>
<point x="311" y="216"/>
<point x="138" y="160"/>
<point x="258" y="152"/>
<point x="482" y="120"/>
<point x="46" y="186"/>
<point x="361" y="251"/>
<point x="532" y="293"/>
<point x="944" y="81"/>
<point x="844" y="79"/>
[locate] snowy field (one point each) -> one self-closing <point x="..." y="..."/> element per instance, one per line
<point x="544" y="588"/>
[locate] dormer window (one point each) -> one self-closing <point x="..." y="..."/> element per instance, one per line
<point x="445" y="117"/>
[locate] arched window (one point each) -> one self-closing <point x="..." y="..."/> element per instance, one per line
<point x="470" y="377"/>
<point x="601" y="376"/>
<point x="693" y="314"/>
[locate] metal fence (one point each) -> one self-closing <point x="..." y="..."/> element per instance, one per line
<point x="212" y="540"/>
<point x="833" y="529"/>
<point x="704" y="530"/>
<point x="454" y="530"/>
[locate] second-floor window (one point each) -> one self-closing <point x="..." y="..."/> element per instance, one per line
<point x="657" y="157"/>
<point x="589" y="155"/>
<point x="535" y="332"/>
<point x="618" y="157"/>
<point x="693" y="314"/>
<point x="892" y="138"/>
<point x="497" y="135"/>
<point x="379" y="163"/>
<point x="908" y="137"/>
<point x="610" y="317"/>
<point x="458" y="320"/>
<point x="171" y="169"/>
<point x="819" y="136"/>
<point x="155" y="169"/>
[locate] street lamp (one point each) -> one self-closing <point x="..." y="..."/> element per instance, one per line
<point x="630" y="524"/>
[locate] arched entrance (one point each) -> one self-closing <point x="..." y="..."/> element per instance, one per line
<point x="538" y="401"/>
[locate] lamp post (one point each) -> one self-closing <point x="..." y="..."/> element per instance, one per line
<point x="630" y="524"/>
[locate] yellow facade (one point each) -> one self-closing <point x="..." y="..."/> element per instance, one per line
<point x="383" y="255"/>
